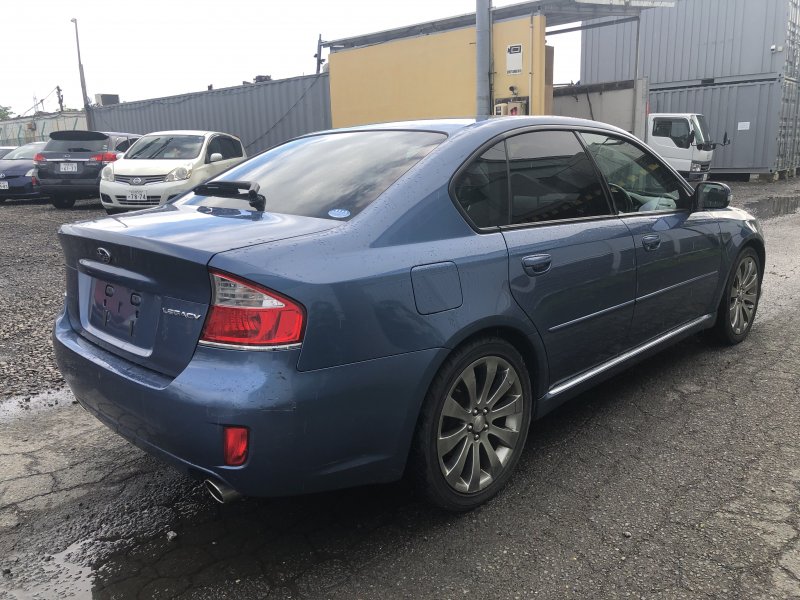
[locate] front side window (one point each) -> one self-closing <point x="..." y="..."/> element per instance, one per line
<point x="328" y="176"/>
<point x="179" y="147"/>
<point x="639" y="182"/>
<point x="552" y="179"/>
<point x="676" y="129"/>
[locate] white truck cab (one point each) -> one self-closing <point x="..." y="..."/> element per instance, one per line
<point x="683" y="140"/>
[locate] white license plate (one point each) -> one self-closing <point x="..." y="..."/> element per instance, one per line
<point x="68" y="168"/>
<point x="136" y="195"/>
<point x="3" y="185"/>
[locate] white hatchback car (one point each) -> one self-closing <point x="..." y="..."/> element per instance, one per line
<point x="163" y="165"/>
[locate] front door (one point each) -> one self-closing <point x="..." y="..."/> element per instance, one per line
<point x="678" y="251"/>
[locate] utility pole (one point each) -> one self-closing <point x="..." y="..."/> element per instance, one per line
<point x="318" y="55"/>
<point x="483" y="56"/>
<point x="86" y="108"/>
<point x="60" y="97"/>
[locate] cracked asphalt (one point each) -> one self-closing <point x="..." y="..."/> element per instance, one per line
<point x="677" y="479"/>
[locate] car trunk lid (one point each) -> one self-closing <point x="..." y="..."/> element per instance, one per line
<point x="138" y="285"/>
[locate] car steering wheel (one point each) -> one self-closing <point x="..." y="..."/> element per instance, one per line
<point x="619" y="193"/>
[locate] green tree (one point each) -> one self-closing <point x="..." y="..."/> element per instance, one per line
<point x="5" y="112"/>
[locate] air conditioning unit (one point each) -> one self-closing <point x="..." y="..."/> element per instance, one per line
<point x="30" y="125"/>
<point x="501" y="110"/>
<point x="106" y="99"/>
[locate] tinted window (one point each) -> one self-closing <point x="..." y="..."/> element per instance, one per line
<point x="166" y="146"/>
<point x="639" y="181"/>
<point x="77" y="145"/>
<point x="329" y="176"/>
<point x="552" y="179"/>
<point x="229" y="148"/>
<point x="676" y="129"/>
<point x="482" y="188"/>
<point x="124" y="145"/>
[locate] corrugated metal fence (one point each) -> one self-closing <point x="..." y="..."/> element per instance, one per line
<point x="23" y="130"/>
<point x="262" y="115"/>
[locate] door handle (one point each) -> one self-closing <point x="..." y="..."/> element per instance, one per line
<point x="651" y="242"/>
<point x="536" y="264"/>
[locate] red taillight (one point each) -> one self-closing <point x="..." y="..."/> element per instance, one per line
<point x="105" y="157"/>
<point x="235" y="443"/>
<point x="245" y="314"/>
<point x="39" y="158"/>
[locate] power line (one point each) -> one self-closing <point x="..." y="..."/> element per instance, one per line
<point x="39" y="102"/>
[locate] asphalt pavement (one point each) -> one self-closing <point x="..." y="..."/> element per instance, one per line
<point x="679" y="478"/>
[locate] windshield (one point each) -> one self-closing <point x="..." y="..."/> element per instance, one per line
<point x="701" y="134"/>
<point x="178" y="147"/>
<point x="24" y="152"/>
<point x="328" y="176"/>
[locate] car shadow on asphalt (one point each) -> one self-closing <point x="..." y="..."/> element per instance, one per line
<point x="286" y="543"/>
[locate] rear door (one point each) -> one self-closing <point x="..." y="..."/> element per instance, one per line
<point x="571" y="260"/>
<point x="678" y="251"/>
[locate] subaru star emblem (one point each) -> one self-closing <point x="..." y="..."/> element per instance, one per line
<point x="2" y="175"/>
<point x="66" y="156"/>
<point x="103" y="255"/>
<point x="136" y="180"/>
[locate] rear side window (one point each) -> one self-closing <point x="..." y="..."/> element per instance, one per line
<point x="531" y="178"/>
<point x="328" y="176"/>
<point x="552" y="179"/>
<point x="67" y="145"/>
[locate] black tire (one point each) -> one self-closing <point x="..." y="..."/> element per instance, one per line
<point x="433" y="428"/>
<point x="62" y="202"/>
<point x="737" y="297"/>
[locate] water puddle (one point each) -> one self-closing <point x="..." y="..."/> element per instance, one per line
<point x="774" y="207"/>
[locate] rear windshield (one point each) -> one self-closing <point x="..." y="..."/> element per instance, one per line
<point x="24" y="152"/>
<point x="166" y="146"/>
<point x="333" y="176"/>
<point x="77" y="145"/>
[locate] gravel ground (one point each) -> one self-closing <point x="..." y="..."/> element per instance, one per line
<point x="31" y="289"/>
<point x="31" y="279"/>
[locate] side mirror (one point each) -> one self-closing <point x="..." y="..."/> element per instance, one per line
<point x="690" y="139"/>
<point x="216" y="157"/>
<point x="725" y="140"/>
<point x="710" y="195"/>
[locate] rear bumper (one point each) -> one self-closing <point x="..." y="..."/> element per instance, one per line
<point x="22" y="192"/>
<point x="69" y="187"/>
<point x="309" y="431"/>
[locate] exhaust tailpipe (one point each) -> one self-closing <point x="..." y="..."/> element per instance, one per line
<point x="221" y="492"/>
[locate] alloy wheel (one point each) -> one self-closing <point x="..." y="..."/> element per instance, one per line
<point x="744" y="295"/>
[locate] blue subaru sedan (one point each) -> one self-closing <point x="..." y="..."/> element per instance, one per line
<point x="356" y="303"/>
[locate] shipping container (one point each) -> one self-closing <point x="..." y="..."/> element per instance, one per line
<point x="262" y="115"/>
<point x="735" y="61"/>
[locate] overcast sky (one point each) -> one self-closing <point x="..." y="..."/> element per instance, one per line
<point x="146" y="48"/>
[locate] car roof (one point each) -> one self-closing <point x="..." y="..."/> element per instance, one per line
<point x="497" y="124"/>
<point x="189" y="132"/>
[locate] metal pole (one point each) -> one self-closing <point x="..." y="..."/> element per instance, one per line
<point x="483" y="53"/>
<point x="87" y="110"/>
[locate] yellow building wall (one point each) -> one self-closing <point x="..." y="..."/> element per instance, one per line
<point x="432" y="76"/>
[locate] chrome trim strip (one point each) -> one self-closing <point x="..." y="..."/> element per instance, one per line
<point x="591" y="316"/>
<point x="253" y="348"/>
<point x="571" y="383"/>
<point x="677" y="285"/>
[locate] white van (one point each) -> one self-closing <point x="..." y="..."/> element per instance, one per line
<point x="163" y="165"/>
